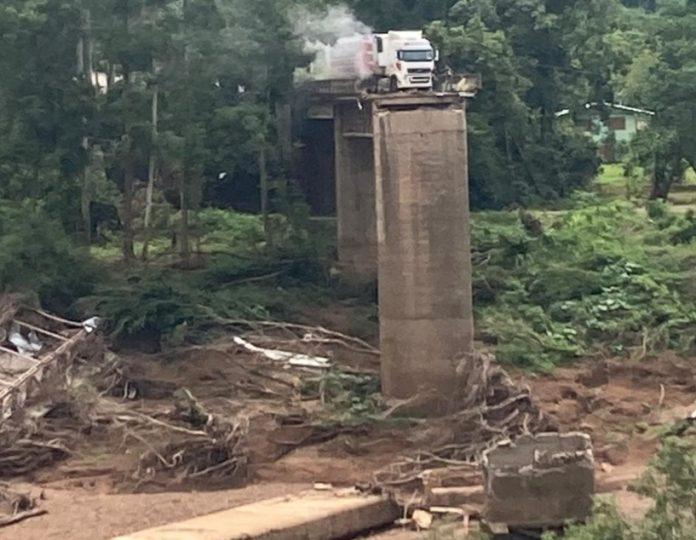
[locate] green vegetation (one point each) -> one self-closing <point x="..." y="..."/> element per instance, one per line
<point x="670" y="483"/>
<point x="237" y="276"/>
<point x="134" y="133"/>
<point x="348" y="399"/>
<point x="600" y="276"/>
<point x="36" y="256"/>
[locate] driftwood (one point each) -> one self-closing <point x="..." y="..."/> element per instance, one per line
<point x="16" y="506"/>
<point x="490" y="409"/>
<point x="58" y="354"/>
<point x="308" y="334"/>
<point x="13" y="398"/>
<point x="21" y="516"/>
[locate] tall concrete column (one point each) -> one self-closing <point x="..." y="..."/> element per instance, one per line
<point x="355" y="192"/>
<point x="426" y="319"/>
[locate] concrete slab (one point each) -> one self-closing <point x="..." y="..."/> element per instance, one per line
<point x="544" y="480"/>
<point x="310" y="516"/>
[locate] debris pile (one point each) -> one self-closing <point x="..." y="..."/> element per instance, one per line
<point x="53" y="401"/>
<point x="190" y="444"/>
<point x="34" y="347"/>
<point x="491" y="409"/>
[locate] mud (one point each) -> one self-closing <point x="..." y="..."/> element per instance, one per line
<point x="86" y="494"/>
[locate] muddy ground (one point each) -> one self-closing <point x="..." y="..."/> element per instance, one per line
<point x="92" y="495"/>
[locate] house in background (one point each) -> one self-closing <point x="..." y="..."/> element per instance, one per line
<point x="610" y="126"/>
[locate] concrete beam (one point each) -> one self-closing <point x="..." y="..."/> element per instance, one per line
<point x="426" y="320"/>
<point x="312" y="516"/>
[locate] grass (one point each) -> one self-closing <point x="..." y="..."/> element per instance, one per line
<point x="611" y="174"/>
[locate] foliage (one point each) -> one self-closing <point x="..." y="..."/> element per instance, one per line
<point x="669" y="482"/>
<point x="594" y="276"/>
<point x="662" y="78"/>
<point x="239" y="280"/>
<point x="37" y="256"/>
<point x="606" y="524"/>
<point x="531" y="57"/>
<point x="349" y="399"/>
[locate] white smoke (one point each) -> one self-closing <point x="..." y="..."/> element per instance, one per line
<point x="320" y="30"/>
<point x="326" y="26"/>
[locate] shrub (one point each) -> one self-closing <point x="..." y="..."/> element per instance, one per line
<point x="37" y="256"/>
<point x="594" y="276"/>
<point x="670" y="482"/>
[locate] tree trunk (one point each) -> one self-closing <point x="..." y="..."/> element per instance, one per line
<point x="89" y="52"/>
<point x="111" y="76"/>
<point x="263" y="181"/>
<point x="184" y="247"/>
<point x="86" y="207"/>
<point x="151" y="173"/>
<point x="80" y="56"/>
<point x="127" y="211"/>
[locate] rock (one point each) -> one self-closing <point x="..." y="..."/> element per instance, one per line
<point x="422" y="519"/>
<point x="616" y="454"/>
<point x="642" y="427"/>
<point x="606" y="467"/>
<point x="586" y="428"/>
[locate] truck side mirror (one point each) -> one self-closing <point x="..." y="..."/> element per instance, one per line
<point x="437" y="55"/>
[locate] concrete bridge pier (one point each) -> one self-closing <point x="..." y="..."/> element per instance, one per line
<point x="355" y="191"/>
<point x="422" y="202"/>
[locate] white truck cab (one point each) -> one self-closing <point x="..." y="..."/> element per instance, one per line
<point x="402" y="59"/>
<point x="406" y="58"/>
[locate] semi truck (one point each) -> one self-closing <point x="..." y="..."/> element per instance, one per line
<point x="397" y="60"/>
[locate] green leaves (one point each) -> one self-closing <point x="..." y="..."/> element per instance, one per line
<point x="590" y="281"/>
<point x="669" y="482"/>
<point x="37" y="256"/>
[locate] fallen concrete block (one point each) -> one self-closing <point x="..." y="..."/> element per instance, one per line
<point x="310" y="516"/>
<point x="539" y="481"/>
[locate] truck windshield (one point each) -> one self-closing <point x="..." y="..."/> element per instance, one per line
<point x="425" y="55"/>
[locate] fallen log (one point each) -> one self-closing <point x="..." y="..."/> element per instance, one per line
<point x="21" y="516"/>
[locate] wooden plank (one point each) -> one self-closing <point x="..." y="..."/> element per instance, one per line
<point x="17" y="391"/>
<point x="19" y="355"/>
<point x="310" y="516"/>
<point x="55" y="318"/>
<point x="40" y="330"/>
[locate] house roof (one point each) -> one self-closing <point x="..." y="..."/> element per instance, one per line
<point x="617" y="106"/>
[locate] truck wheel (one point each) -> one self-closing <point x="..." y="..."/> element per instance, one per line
<point x="393" y="84"/>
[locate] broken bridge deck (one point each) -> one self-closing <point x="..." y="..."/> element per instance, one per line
<point x="310" y="516"/>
